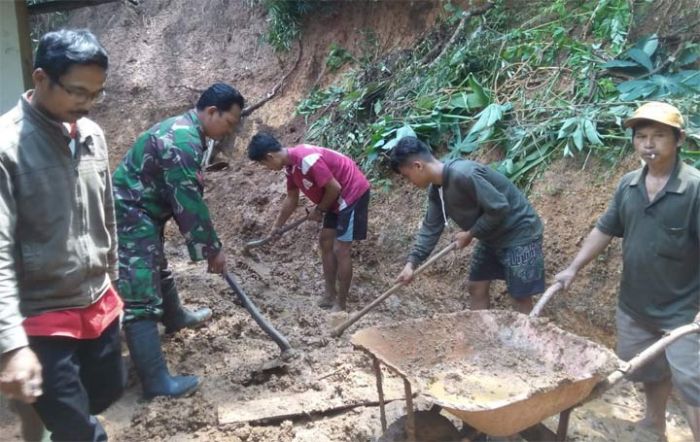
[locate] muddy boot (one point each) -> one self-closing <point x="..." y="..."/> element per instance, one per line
<point x="175" y="316"/>
<point x="326" y="302"/>
<point x="144" y="347"/>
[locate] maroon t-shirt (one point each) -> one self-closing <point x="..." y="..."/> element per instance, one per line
<point x="313" y="167"/>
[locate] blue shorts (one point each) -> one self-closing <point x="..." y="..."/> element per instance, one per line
<point x="350" y="224"/>
<point x="522" y="267"/>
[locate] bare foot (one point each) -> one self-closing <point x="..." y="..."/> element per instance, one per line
<point x="338" y="308"/>
<point x="327" y="302"/>
<point x="645" y="431"/>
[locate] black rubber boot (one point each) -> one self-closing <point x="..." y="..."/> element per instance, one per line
<point x="144" y="347"/>
<point x="175" y="316"/>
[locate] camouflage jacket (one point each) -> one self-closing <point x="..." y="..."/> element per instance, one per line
<point x="161" y="177"/>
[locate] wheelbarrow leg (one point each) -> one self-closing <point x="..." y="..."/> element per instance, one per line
<point x="563" y="426"/>
<point x="380" y="391"/>
<point x="410" y="416"/>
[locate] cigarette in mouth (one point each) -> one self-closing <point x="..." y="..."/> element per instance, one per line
<point x="652" y="156"/>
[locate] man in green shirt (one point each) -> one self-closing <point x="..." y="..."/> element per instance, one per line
<point x="656" y="210"/>
<point x="486" y="206"/>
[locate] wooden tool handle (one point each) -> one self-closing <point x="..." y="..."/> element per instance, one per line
<point x="281" y="231"/>
<point x="642" y="358"/>
<point x="545" y="299"/>
<point x="341" y="328"/>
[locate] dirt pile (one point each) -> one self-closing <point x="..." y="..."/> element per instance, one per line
<point x="162" y="54"/>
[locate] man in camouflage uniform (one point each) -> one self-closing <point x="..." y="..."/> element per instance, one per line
<point x="158" y="179"/>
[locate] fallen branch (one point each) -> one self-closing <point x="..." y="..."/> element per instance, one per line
<point x="250" y="109"/>
<point x="462" y="23"/>
<point x="189" y="88"/>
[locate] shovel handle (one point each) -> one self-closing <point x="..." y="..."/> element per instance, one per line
<point x="341" y="328"/>
<point x="276" y="336"/>
<point x="643" y="358"/>
<point x="282" y="230"/>
<point x="537" y="309"/>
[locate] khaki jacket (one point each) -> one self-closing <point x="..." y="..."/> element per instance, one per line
<point x="57" y="226"/>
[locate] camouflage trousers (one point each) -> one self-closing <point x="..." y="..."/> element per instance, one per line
<point x="143" y="277"/>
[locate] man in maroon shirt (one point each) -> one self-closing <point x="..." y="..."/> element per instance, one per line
<point x="340" y="191"/>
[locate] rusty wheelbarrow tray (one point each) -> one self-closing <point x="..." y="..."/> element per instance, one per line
<point x="500" y="372"/>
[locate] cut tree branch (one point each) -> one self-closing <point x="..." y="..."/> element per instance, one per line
<point x="250" y="109"/>
<point x="462" y="23"/>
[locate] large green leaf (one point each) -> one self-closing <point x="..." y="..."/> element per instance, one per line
<point x="490" y="116"/>
<point x="404" y="131"/>
<point x="577" y="136"/>
<point x="567" y="127"/>
<point x="641" y="57"/>
<point x="591" y="133"/>
<point x="614" y="64"/>
<point x="478" y="91"/>
<point x="648" y="44"/>
<point x="635" y="89"/>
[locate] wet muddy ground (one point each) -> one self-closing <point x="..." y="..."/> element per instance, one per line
<point x="160" y="54"/>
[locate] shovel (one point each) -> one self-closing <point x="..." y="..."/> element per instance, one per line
<point x="280" y="232"/>
<point x="341" y="328"/>
<point x="286" y="350"/>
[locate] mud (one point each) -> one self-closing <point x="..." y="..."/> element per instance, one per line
<point x="486" y="359"/>
<point x="160" y="54"/>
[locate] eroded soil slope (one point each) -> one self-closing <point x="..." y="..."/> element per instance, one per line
<point x="162" y="54"/>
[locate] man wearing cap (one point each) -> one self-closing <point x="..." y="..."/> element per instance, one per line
<point x="656" y="210"/>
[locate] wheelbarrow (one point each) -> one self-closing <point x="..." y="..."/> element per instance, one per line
<point x="500" y="372"/>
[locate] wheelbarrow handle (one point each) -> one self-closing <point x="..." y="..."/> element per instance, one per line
<point x="342" y="327"/>
<point x="281" y="231"/>
<point x="276" y="336"/>
<point x="643" y="358"/>
<point x="537" y="309"/>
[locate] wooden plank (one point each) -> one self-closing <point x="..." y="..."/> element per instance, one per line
<point x="67" y="5"/>
<point x="296" y="405"/>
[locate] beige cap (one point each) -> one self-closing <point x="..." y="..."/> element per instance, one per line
<point x="656" y="111"/>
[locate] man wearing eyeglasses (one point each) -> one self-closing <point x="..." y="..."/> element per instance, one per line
<point x="59" y="313"/>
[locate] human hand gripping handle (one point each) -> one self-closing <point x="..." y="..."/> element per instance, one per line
<point x="217" y="263"/>
<point x="341" y="328"/>
<point x="566" y="277"/>
<point x="20" y="375"/>
<point x="463" y="239"/>
<point x="316" y="215"/>
<point x="406" y="275"/>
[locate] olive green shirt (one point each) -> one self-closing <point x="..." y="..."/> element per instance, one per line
<point x="661" y="246"/>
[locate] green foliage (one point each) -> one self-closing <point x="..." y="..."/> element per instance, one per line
<point x="535" y="87"/>
<point x="645" y="59"/>
<point x="284" y="20"/>
<point x="338" y="56"/>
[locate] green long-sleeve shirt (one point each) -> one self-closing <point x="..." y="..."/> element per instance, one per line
<point x="160" y="178"/>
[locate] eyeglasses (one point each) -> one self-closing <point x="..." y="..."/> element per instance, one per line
<point x="82" y="95"/>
